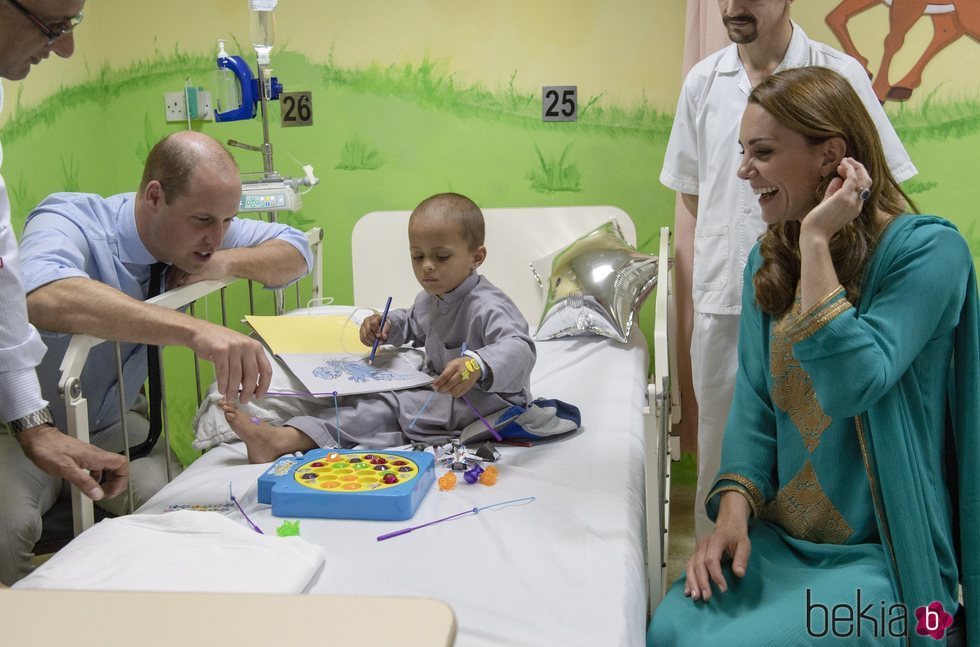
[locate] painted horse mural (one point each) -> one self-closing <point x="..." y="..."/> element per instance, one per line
<point x="951" y="19"/>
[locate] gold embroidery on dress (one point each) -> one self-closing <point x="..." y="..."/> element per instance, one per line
<point x="735" y="488"/>
<point x="750" y="490"/>
<point x="792" y="390"/>
<point x="819" y="320"/>
<point x="802" y="508"/>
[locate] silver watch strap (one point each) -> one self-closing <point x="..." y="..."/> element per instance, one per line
<point x="31" y="420"/>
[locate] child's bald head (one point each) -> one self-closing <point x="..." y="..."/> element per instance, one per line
<point x="455" y="209"/>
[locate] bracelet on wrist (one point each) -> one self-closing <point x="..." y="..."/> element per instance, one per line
<point x="31" y="420"/>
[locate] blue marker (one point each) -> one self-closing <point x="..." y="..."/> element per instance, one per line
<point x="381" y="329"/>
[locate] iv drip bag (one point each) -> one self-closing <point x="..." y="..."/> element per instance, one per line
<point x="263" y="28"/>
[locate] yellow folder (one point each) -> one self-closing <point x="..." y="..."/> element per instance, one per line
<point x="309" y="334"/>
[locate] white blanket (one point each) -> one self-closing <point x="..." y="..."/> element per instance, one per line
<point x="182" y="550"/>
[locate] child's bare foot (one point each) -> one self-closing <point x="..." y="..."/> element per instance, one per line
<point x="260" y="437"/>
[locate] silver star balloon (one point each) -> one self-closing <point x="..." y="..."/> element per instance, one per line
<point x="596" y="285"/>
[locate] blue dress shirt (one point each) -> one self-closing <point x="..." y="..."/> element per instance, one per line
<point x="85" y="235"/>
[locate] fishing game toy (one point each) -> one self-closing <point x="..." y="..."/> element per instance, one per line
<point x="348" y="484"/>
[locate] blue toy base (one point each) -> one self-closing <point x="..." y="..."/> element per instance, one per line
<point x="348" y="484"/>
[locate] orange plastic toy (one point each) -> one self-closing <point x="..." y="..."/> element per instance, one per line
<point x="489" y="476"/>
<point x="447" y="481"/>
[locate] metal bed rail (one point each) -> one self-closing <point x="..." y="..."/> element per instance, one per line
<point x="662" y="446"/>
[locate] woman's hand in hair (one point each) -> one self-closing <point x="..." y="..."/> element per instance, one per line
<point x="841" y="201"/>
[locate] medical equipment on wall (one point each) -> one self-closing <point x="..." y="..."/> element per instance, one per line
<point x="240" y="95"/>
<point x="270" y="192"/>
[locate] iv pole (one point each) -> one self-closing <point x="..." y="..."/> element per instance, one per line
<point x="269" y="172"/>
<point x="268" y="191"/>
<point x="267" y="166"/>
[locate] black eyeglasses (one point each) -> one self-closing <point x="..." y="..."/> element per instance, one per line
<point x="51" y="31"/>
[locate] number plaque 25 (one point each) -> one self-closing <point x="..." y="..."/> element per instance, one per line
<point x="559" y="103"/>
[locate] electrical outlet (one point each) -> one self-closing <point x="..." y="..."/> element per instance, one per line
<point x="175" y="106"/>
<point x="176" y="103"/>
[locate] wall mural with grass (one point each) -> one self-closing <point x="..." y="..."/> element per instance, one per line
<point x="386" y="137"/>
<point x="388" y="133"/>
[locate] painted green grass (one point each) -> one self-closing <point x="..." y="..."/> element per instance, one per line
<point x="69" y="174"/>
<point x="432" y="83"/>
<point x="107" y="84"/>
<point x="18" y="191"/>
<point x="936" y="118"/>
<point x="553" y="175"/>
<point x="356" y="155"/>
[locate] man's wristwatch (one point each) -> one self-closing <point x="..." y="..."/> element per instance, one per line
<point x="41" y="417"/>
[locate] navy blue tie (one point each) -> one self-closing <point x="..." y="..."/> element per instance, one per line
<point x="155" y="400"/>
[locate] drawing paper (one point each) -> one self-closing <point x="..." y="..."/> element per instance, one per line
<point x="324" y="373"/>
<point x="325" y="353"/>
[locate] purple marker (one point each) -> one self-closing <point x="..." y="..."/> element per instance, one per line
<point x="381" y="329"/>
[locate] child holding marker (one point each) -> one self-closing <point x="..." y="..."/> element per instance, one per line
<point x="476" y="343"/>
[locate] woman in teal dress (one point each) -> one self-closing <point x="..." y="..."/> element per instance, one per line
<point x="851" y="458"/>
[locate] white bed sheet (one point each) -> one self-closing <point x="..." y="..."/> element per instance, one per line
<point x="567" y="569"/>
<point x="183" y="551"/>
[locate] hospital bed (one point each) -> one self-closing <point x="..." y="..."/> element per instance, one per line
<point x="585" y="562"/>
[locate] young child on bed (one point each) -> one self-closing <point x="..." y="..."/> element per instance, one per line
<point x="476" y="343"/>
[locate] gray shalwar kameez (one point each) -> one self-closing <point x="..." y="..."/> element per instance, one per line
<point x="476" y="312"/>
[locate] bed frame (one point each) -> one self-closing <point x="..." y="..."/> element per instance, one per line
<point x="374" y="282"/>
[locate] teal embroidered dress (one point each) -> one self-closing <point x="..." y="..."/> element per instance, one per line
<point x="837" y="436"/>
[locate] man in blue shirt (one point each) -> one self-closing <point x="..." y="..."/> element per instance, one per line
<point x="87" y="262"/>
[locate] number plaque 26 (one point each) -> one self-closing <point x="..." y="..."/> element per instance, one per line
<point x="297" y="108"/>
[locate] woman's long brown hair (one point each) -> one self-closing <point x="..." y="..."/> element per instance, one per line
<point x="820" y="104"/>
